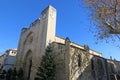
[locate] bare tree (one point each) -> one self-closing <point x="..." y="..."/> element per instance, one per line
<point x="106" y="15"/>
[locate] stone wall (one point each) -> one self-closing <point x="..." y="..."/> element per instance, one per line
<point x="59" y="53"/>
<point x="73" y="63"/>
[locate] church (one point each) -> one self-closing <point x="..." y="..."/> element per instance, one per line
<point x="73" y="61"/>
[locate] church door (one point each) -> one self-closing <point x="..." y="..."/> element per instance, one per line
<point x="29" y="69"/>
<point x="27" y="65"/>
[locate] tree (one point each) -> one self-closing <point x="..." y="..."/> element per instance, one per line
<point x="3" y="75"/>
<point x="14" y="74"/>
<point x="20" y="74"/>
<point x="106" y="15"/>
<point x="46" y="70"/>
<point x="9" y="74"/>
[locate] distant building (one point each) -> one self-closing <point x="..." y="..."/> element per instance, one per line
<point x="73" y="61"/>
<point x="7" y="60"/>
<point x="2" y="59"/>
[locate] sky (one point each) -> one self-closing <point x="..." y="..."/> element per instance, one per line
<point x="72" y="21"/>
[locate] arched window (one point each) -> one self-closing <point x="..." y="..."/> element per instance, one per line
<point x="92" y="64"/>
<point x="27" y="64"/>
<point x="29" y="38"/>
<point x="79" y="60"/>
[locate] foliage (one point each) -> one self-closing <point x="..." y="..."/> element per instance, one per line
<point x="106" y="15"/>
<point x="46" y="70"/>
<point x="9" y="74"/>
<point x="2" y="75"/>
<point x="20" y="73"/>
<point x="12" y="74"/>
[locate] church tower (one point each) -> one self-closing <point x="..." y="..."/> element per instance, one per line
<point x="33" y="42"/>
<point x="48" y="23"/>
<point x="47" y="28"/>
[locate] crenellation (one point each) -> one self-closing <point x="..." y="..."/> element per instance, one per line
<point x="35" y="22"/>
<point x="24" y="30"/>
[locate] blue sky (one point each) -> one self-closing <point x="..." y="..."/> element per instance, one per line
<point x="72" y="21"/>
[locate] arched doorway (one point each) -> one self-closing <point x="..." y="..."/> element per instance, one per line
<point x="27" y="65"/>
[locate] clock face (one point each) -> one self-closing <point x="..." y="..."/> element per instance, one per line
<point x="52" y="14"/>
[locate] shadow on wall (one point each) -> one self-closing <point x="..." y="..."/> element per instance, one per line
<point x="99" y="68"/>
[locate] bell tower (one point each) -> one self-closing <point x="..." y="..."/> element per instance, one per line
<point x="48" y="24"/>
<point x="47" y="27"/>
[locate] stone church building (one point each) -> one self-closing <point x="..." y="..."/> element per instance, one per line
<point x="73" y="61"/>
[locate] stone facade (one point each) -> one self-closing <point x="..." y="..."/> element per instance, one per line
<point x="2" y="59"/>
<point x="73" y="62"/>
<point x="33" y="41"/>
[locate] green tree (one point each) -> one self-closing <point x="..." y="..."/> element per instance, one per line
<point x="106" y="17"/>
<point x="20" y="74"/>
<point x="14" y="74"/>
<point x="46" y="70"/>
